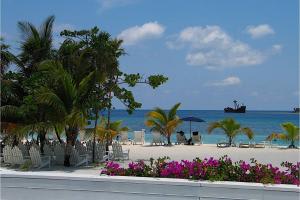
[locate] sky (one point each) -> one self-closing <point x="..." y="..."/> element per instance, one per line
<point x="212" y="51"/>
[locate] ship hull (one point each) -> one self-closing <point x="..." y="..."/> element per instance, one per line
<point x="242" y="109"/>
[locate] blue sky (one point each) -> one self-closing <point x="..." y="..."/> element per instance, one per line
<point x="212" y="51"/>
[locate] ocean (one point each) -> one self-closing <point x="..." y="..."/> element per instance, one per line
<point x="262" y="123"/>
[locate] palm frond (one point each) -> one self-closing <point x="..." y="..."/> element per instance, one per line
<point x="248" y="132"/>
<point x="173" y="111"/>
<point x="213" y="125"/>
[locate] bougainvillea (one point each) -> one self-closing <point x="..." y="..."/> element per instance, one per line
<point x="222" y="169"/>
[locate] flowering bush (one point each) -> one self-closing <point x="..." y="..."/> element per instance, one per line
<point x="211" y="169"/>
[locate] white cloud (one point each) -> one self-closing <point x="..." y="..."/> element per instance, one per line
<point x="108" y="4"/>
<point x="276" y="48"/>
<point x="213" y="48"/>
<point x="135" y="34"/>
<point x="260" y="30"/>
<point x="229" y="81"/>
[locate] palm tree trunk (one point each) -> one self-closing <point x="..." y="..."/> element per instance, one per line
<point x="94" y="138"/>
<point x="108" y="124"/>
<point x="15" y="141"/>
<point x="292" y="145"/>
<point x="71" y="134"/>
<point x="57" y="135"/>
<point x="169" y="140"/>
<point x="230" y="140"/>
<point x="42" y="136"/>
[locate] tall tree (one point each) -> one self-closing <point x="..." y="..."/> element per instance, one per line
<point x="36" y="45"/>
<point x="69" y="100"/>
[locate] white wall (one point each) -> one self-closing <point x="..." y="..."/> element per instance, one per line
<point x="46" y="185"/>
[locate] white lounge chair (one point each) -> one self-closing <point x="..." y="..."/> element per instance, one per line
<point x="124" y="137"/>
<point x="118" y="153"/>
<point x="157" y="138"/>
<point x="223" y="144"/>
<point x="139" y="137"/>
<point x="38" y="160"/>
<point x="101" y="153"/>
<point x="196" y="139"/>
<point x="77" y="159"/>
<point x="17" y="156"/>
<point x="180" y="139"/>
<point x="59" y="153"/>
<point x="82" y="150"/>
<point x="7" y="155"/>
<point x="24" y="149"/>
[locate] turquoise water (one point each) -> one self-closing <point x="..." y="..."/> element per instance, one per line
<point x="261" y="122"/>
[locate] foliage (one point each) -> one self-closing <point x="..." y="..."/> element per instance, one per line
<point x="162" y="122"/>
<point x="105" y="130"/>
<point x="61" y="89"/>
<point x="26" y="166"/>
<point x="231" y="128"/>
<point x="222" y="169"/>
<point x="292" y="134"/>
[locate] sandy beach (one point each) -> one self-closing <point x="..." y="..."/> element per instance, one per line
<point x="183" y="152"/>
<point x="179" y="152"/>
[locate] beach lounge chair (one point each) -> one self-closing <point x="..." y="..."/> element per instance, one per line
<point x="7" y="155"/>
<point x="38" y="160"/>
<point x="124" y="137"/>
<point x="244" y="145"/>
<point x="138" y="137"/>
<point x="180" y="138"/>
<point x="77" y="159"/>
<point x="223" y="144"/>
<point x="196" y="138"/>
<point x="24" y="149"/>
<point x="118" y="153"/>
<point x="59" y="153"/>
<point x="17" y="156"/>
<point x="157" y="138"/>
<point x="48" y="151"/>
<point x="259" y="145"/>
<point x="101" y="153"/>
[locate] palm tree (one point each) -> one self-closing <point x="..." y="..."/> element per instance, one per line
<point x="6" y="56"/>
<point x="231" y="128"/>
<point x="69" y="100"/>
<point x="292" y="134"/>
<point x="104" y="131"/>
<point x="36" y="45"/>
<point x="162" y="122"/>
<point x="19" y="88"/>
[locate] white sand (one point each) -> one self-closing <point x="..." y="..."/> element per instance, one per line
<point x="179" y="152"/>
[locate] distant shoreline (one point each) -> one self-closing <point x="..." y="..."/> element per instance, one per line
<point x="279" y="111"/>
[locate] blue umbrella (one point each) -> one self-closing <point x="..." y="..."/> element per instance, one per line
<point x="191" y="119"/>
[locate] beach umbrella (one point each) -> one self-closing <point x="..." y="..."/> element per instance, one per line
<point x="191" y="119"/>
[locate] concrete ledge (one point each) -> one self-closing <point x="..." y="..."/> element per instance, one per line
<point x="56" y="185"/>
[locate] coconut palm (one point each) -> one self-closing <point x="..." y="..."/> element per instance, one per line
<point x="231" y="128"/>
<point x="292" y="134"/>
<point x="162" y="122"/>
<point x="6" y="56"/>
<point x="36" y="45"/>
<point x="69" y="100"/>
<point x="105" y="130"/>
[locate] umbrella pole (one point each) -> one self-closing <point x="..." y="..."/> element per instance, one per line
<point x="190" y="129"/>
